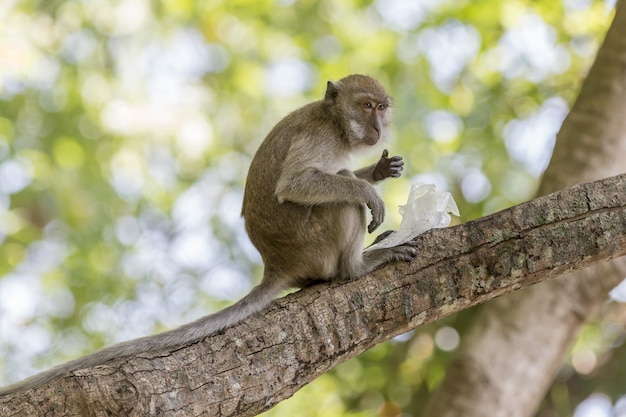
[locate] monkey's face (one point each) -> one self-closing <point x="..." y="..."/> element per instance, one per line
<point x="376" y="117"/>
<point x="364" y="107"/>
<point x="370" y="119"/>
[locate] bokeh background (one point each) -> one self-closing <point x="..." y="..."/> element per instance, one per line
<point x="126" y="131"/>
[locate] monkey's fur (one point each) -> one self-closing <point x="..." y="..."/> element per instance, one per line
<point x="303" y="210"/>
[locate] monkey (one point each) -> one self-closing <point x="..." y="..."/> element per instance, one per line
<point x="303" y="210"/>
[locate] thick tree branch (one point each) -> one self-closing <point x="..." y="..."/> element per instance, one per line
<point x="265" y="359"/>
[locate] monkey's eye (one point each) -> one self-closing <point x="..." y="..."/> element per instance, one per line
<point x="382" y="107"/>
<point x="368" y="105"/>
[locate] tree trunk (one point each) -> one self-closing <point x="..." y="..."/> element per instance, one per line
<point x="252" y="366"/>
<point x="516" y="344"/>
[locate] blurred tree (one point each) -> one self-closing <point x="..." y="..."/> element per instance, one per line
<point x="525" y="337"/>
<point x="126" y="129"/>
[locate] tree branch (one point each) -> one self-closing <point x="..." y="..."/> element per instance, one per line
<point x="252" y="366"/>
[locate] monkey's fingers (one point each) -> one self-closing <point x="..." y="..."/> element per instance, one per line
<point x="377" y="207"/>
<point x="385" y="154"/>
<point x="377" y="219"/>
<point x="405" y="252"/>
<point x="396" y="170"/>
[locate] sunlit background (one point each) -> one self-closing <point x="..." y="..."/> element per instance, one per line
<point x="126" y="131"/>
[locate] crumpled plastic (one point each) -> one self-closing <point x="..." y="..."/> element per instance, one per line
<point x="425" y="209"/>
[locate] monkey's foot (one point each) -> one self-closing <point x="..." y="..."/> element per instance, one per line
<point x="405" y="252"/>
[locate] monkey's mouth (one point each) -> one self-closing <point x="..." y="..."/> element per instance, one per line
<point x="371" y="140"/>
<point x="374" y="136"/>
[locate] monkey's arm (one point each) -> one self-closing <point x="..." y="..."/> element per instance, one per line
<point x="312" y="186"/>
<point x="385" y="167"/>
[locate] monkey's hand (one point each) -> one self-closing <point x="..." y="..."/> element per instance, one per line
<point x="377" y="207"/>
<point x="372" y="200"/>
<point x="388" y="167"/>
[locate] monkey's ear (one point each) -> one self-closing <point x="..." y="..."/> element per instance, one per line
<point x="332" y="90"/>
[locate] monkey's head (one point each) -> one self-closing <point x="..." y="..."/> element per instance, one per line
<point x="362" y="106"/>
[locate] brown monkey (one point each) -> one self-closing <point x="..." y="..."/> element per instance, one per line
<point x="303" y="210"/>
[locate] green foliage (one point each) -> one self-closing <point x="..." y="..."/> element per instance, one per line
<point x="126" y="130"/>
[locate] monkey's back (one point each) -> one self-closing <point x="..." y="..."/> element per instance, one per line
<point x="280" y="231"/>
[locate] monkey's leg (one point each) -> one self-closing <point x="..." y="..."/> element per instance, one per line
<point x="365" y="262"/>
<point x="354" y="262"/>
<point x="375" y="258"/>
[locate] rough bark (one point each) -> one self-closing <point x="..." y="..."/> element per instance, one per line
<point x="517" y="343"/>
<point x="265" y="359"/>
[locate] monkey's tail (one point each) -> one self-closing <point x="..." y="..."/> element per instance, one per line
<point x="253" y="302"/>
<point x="256" y="300"/>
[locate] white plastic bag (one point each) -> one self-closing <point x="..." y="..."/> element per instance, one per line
<point x="425" y="209"/>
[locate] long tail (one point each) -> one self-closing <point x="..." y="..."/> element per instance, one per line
<point x="255" y="301"/>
